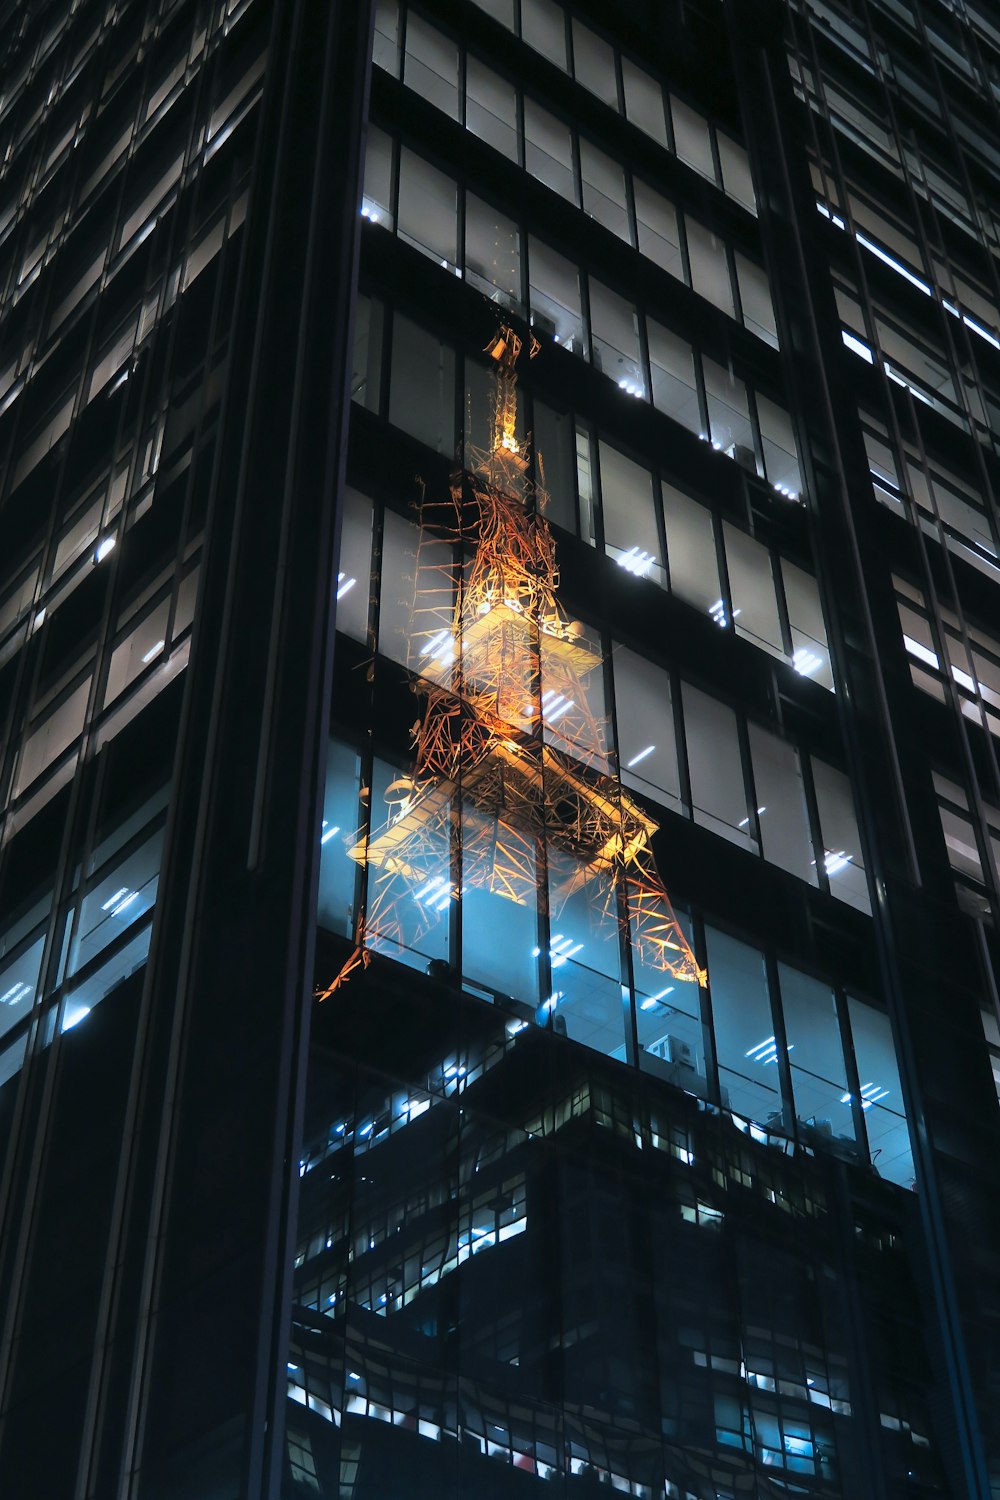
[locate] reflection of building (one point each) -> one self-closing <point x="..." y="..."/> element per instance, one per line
<point x="520" y="1207"/>
<point x="500" y="797"/>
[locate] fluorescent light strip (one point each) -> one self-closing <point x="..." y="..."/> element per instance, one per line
<point x="856" y="346"/>
<point x="641" y="756"/>
<point x="891" y="262"/>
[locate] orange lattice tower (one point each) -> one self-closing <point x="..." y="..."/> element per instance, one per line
<point x="506" y="726"/>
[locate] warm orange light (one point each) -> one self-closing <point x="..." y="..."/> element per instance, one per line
<point x="506" y="727"/>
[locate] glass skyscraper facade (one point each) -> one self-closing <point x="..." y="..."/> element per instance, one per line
<point x="369" y="1126"/>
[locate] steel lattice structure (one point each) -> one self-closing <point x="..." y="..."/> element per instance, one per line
<point x="506" y="728"/>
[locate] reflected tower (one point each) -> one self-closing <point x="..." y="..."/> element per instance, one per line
<point x="513" y="790"/>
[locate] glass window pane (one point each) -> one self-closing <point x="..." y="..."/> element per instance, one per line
<point x="715" y="766"/>
<point x="573" y="704"/>
<point x="881" y="1095"/>
<point x="729" y="414"/>
<point x="431" y="66"/>
<point x="781" y="464"/>
<point x="585" y="956"/>
<point x="555" y="462"/>
<point x="354" y="575"/>
<point x="408" y="918"/>
<point x="366" y="373"/>
<point x="115" y="901"/>
<point x="744" y="1031"/>
<point x="499" y="907"/>
<point x="376" y="199"/>
<point x="647" y="749"/>
<point x="784" y="823"/>
<point x="692" y="139"/>
<point x="548" y="150"/>
<point x="395" y="604"/>
<point x="736" y="177"/>
<point x="52" y="736"/>
<point x="492" y="252"/>
<point x="428" y="209"/>
<point x="491" y="107"/>
<point x="675" y="388"/>
<point x="82" y="997"/>
<point x="480" y="410"/>
<point x="604" y="199"/>
<point x="810" y="653"/>
<point x="668" y="1024"/>
<point x="19" y="984"/>
<point x="422" y="387"/>
<point x="656" y="221"/>
<point x="755" y="296"/>
<point x="709" y="266"/>
<point x="960" y="841"/>
<point x="139" y="649"/>
<point x="500" y="10"/>
<point x="691" y="557"/>
<point x="644" y="101"/>
<point x="751" y="584"/>
<point x="615" y="338"/>
<point x="594" y="64"/>
<point x="631" y="536"/>
<point x="543" y="26"/>
<point x="385" y="51"/>
<point x="815" y="1056"/>
<point x="339" y="833"/>
<point x="554" y="293"/>
<point x="842" y="847"/>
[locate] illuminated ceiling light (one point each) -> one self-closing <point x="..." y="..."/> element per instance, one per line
<point x="636" y="561"/>
<point x="122" y="891"/>
<point x="125" y="903"/>
<point x="15" y="994"/>
<point x="328" y="833"/>
<point x="344" y="584"/>
<point x="857" y="346"/>
<point x="892" y="262"/>
<point x="108" y="545"/>
<point x="834" y="862"/>
<point x="153" y="651"/>
<point x="74" y="1016"/>
<point x="765" y="1052"/>
<point x="806" y="662"/>
<point x="641" y="756"/>
<point x="718" y="612"/>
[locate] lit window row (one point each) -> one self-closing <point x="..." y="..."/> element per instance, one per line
<point x="148" y="648"/>
<point x="857" y="110"/>
<point x="944" y="505"/>
<point x="887" y="233"/>
<point x="972" y="658"/>
<point x="653" y="530"/>
<point x="607" y="73"/>
<point x="556" y="155"/>
<point x="770" y="1044"/>
<point x="646" y="360"/>
<point x="102" y="937"/>
<point x="649" y="527"/>
<point x="975" y="857"/>
<point x="112" y="362"/>
<point x="676" y="744"/>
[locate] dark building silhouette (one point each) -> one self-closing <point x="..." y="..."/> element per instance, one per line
<point x="520" y="1207"/>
